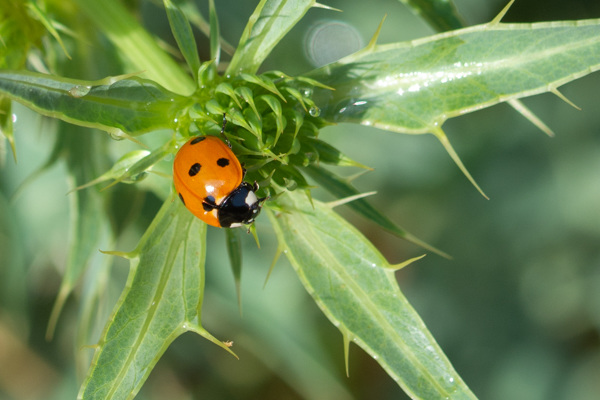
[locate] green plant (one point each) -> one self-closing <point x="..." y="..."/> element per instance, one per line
<point x="274" y="121"/>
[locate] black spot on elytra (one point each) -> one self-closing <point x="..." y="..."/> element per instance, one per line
<point x="209" y="203"/>
<point x="181" y="198"/>
<point x="198" y="139"/>
<point x="194" y="169"/>
<point x="223" y="162"/>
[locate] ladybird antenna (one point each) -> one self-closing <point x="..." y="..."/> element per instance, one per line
<point x="223" y="130"/>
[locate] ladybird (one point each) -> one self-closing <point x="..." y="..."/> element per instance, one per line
<point x="208" y="179"/>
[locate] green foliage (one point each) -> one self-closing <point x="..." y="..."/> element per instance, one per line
<point x="356" y="288"/>
<point x="121" y="107"/>
<point x="162" y="299"/>
<point x="273" y="122"/>
<point x="439" y="14"/>
<point x="382" y="84"/>
<point x="266" y="27"/>
<point x="22" y="30"/>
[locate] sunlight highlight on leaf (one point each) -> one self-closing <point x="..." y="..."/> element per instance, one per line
<point x="442" y="16"/>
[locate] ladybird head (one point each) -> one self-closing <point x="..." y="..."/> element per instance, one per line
<point x="241" y="207"/>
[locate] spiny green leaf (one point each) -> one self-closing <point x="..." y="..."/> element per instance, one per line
<point x="119" y="169"/>
<point x="234" y="249"/>
<point x="182" y="31"/>
<point x="139" y="169"/>
<point x="254" y="121"/>
<point x="48" y="24"/>
<point x="269" y="23"/>
<point x="19" y="32"/>
<point x="237" y="118"/>
<point x="214" y="107"/>
<point x="124" y="107"/>
<point x="341" y="188"/>
<point x="289" y="177"/>
<point x="215" y="36"/>
<point x="356" y="288"/>
<point x="313" y="82"/>
<point x="263" y="82"/>
<point x="246" y="94"/>
<point x="162" y="300"/>
<point x="275" y="105"/>
<point x="441" y="136"/>
<point x="207" y="73"/>
<point x="440" y="14"/>
<point x="413" y="87"/>
<point x="6" y="126"/>
<point x="136" y="45"/>
<point x="330" y="155"/>
<point x="298" y="119"/>
<point x="94" y="307"/>
<point x="297" y="96"/>
<point x="195" y="16"/>
<point x="227" y="89"/>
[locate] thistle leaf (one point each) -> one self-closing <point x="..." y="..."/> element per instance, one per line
<point x="411" y="87"/>
<point x="356" y="288"/>
<point x="122" y="107"/>
<point x="270" y="22"/>
<point x="182" y="31"/>
<point x="162" y="300"/>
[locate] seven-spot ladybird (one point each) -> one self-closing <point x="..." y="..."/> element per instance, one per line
<point x="208" y="178"/>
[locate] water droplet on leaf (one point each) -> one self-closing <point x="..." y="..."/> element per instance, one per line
<point x="78" y="91"/>
<point x="314" y="111"/>
<point x="118" y="135"/>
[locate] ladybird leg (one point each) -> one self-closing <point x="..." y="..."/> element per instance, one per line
<point x="255" y="186"/>
<point x="223" y="131"/>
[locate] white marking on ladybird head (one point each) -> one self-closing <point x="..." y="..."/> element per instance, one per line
<point x="251" y="199"/>
<point x="235" y="225"/>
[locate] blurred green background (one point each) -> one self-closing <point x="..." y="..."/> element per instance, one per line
<point x="517" y="309"/>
